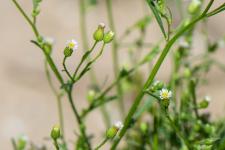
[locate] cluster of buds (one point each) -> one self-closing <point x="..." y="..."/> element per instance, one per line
<point x="113" y="131"/>
<point x="100" y="35"/>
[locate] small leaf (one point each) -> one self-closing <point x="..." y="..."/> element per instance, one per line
<point x="157" y="16"/>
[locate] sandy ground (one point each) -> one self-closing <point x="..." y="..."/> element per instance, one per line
<point x="26" y="102"/>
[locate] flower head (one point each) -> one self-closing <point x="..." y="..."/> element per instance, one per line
<point x="207" y="98"/>
<point x="72" y="44"/>
<point x="118" y="125"/>
<point x="113" y="131"/>
<point x="165" y="94"/>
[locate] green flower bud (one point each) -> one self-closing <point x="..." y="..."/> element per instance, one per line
<point x="99" y="33"/>
<point x="22" y="142"/>
<point x="55" y="133"/>
<point x="208" y="128"/>
<point x="187" y="73"/>
<point x="144" y="127"/>
<point x="91" y="95"/>
<point x="111" y="132"/>
<point x="108" y="37"/>
<point x="194" y="6"/>
<point x="157" y="85"/>
<point x="68" y="52"/>
<point x="204" y="103"/>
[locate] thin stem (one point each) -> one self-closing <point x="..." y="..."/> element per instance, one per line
<point x="56" y="145"/>
<point x="83" y="59"/>
<point x="152" y="76"/>
<point x="115" y="56"/>
<point x="65" y="68"/>
<point x="101" y="144"/>
<point x="179" y="134"/>
<point x="26" y="17"/>
<point x="58" y="98"/>
<point x="79" y="120"/>
<point x="50" y="62"/>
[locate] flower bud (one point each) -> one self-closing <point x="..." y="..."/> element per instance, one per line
<point x="204" y="103"/>
<point x="91" y="95"/>
<point x="99" y="33"/>
<point x="55" y="133"/>
<point x="112" y="131"/>
<point x="157" y="85"/>
<point x="108" y="37"/>
<point x="22" y="142"/>
<point x="187" y="73"/>
<point x="48" y="42"/>
<point x="194" y="6"/>
<point x="144" y="127"/>
<point x="68" y="52"/>
<point x="71" y="46"/>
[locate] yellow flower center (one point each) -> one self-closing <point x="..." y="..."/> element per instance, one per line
<point x="165" y="95"/>
<point x="71" y="45"/>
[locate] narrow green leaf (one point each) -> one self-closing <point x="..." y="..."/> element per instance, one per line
<point x="157" y="16"/>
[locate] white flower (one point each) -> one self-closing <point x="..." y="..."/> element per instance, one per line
<point x="165" y="94"/>
<point x="118" y="125"/>
<point x="49" y="40"/>
<point x="208" y="98"/>
<point x="72" y="44"/>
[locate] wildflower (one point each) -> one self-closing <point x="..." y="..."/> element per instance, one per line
<point x="108" y="37"/>
<point x="72" y="44"/>
<point x="111" y="132"/>
<point x="165" y="94"/>
<point x="55" y="133"/>
<point x="99" y="33"/>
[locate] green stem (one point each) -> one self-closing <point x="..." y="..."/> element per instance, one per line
<point x="58" y="98"/>
<point x="151" y="78"/>
<point x="83" y="59"/>
<point x="26" y="17"/>
<point x="79" y="120"/>
<point x="101" y="144"/>
<point x="65" y="68"/>
<point x="115" y="56"/>
<point x="56" y="145"/>
<point x="179" y="134"/>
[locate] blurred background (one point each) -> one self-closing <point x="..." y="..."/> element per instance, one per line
<point x="27" y="105"/>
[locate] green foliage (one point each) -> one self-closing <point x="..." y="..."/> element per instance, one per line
<point x="162" y="112"/>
